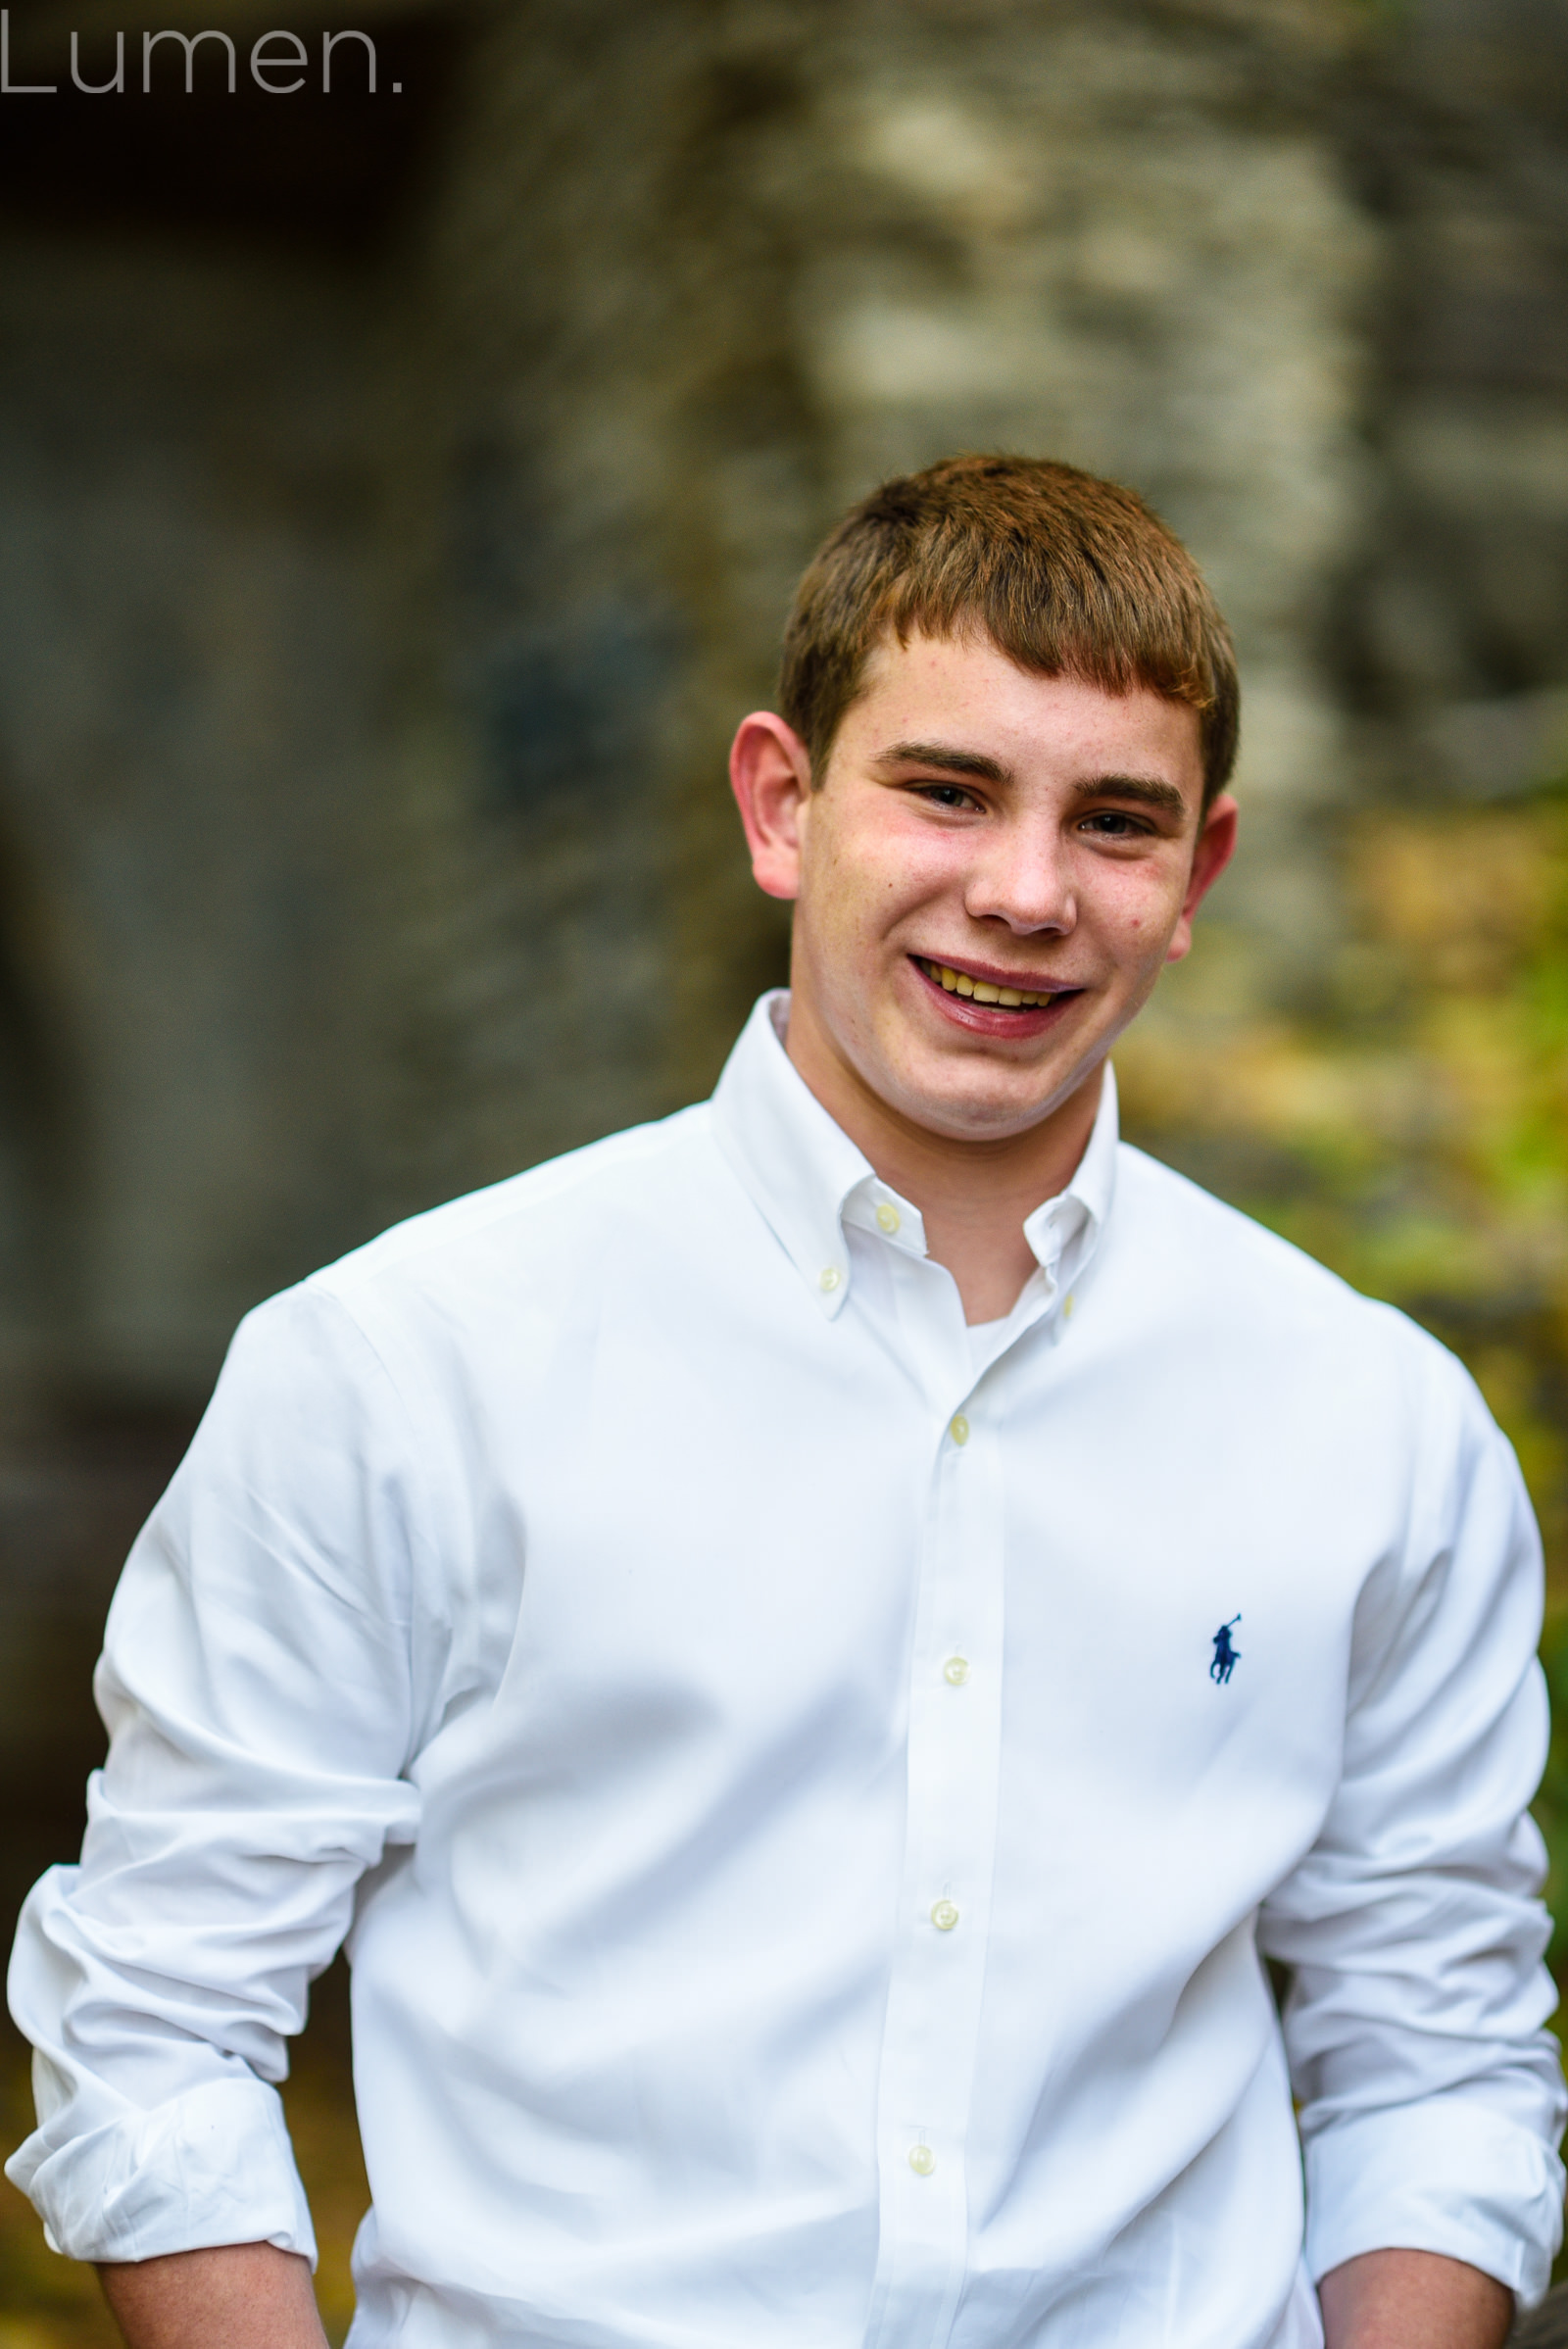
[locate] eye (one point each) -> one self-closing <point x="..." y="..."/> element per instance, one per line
<point x="948" y="795"/>
<point x="1113" y="824"/>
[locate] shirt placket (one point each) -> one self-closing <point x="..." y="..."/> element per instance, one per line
<point x="931" y="2036"/>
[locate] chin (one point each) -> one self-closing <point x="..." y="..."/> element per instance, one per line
<point x="972" y="1113"/>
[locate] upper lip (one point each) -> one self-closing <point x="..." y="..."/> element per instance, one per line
<point x="1023" y="981"/>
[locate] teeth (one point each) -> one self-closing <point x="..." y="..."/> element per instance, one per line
<point x="957" y="982"/>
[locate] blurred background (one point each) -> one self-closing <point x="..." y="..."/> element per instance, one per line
<point x="401" y="490"/>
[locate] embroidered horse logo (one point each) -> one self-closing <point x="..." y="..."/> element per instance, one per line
<point x="1226" y="1657"/>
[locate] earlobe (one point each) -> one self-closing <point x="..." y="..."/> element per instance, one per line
<point x="1214" y="849"/>
<point x="771" y="775"/>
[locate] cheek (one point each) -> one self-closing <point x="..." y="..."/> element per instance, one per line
<point x="879" y="877"/>
<point x="844" y="895"/>
<point x="1138" y="904"/>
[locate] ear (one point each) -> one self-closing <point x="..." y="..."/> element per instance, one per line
<point x="1216" y="845"/>
<point x="771" y="775"/>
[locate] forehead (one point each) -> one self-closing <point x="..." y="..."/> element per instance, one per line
<point x="962" y="692"/>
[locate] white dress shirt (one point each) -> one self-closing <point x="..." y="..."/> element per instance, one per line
<point x="805" y="1785"/>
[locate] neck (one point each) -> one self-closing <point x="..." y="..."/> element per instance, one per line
<point x="973" y="1197"/>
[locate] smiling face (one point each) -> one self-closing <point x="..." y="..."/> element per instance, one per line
<point x="982" y="835"/>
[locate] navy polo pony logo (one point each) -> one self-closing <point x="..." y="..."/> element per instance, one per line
<point x="1226" y="1657"/>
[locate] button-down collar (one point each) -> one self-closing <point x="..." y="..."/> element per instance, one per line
<point x="813" y="1184"/>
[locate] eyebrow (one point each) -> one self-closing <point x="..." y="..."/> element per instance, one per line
<point x="1148" y="791"/>
<point x="951" y="760"/>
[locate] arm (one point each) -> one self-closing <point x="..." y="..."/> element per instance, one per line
<point x="1431" y="2098"/>
<point x="1414" y="2300"/>
<point x="257" y="1683"/>
<point x="246" y="2295"/>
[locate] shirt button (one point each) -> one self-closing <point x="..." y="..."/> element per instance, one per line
<point x="922" y="2160"/>
<point x="1066" y="1310"/>
<point x="943" y="1915"/>
<point x="958" y="1428"/>
<point x="829" y="1277"/>
<point x="955" y="1671"/>
<point x="888" y="1218"/>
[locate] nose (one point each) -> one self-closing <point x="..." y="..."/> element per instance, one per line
<point x="1022" y="879"/>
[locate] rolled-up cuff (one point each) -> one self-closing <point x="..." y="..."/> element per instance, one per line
<point x="1444" y="2176"/>
<point x="211" y="2166"/>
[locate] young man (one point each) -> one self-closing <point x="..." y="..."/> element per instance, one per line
<point x="812" y="1649"/>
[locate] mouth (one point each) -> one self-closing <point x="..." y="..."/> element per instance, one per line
<point x="988" y="1005"/>
<point x="988" y="991"/>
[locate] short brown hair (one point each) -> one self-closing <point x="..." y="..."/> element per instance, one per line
<point x="1068" y="576"/>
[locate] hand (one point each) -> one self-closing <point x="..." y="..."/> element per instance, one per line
<point x="246" y="2295"/>
<point x="1414" y="2300"/>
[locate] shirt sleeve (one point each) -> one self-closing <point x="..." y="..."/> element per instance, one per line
<point x="1430" y="2097"/>
<point x="258" y="1688"/>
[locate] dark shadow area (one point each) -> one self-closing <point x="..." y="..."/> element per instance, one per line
<point x="1546" y="2328"/>
<point x="335" y="169"/>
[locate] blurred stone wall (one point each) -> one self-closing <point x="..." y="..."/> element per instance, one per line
<point x="183" y="675"/>
<point x="400" y="495"/>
